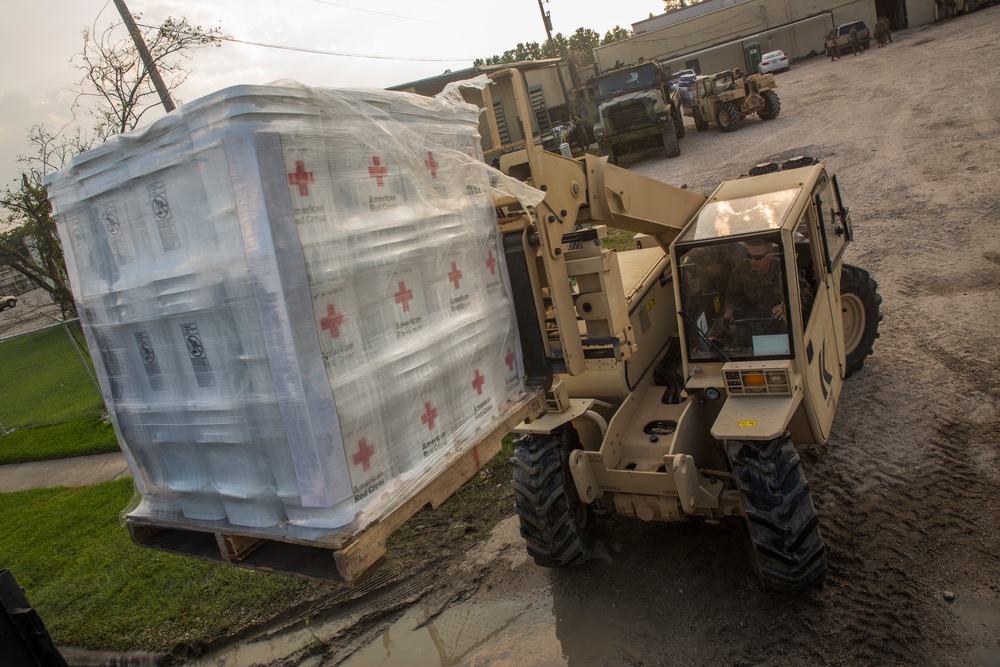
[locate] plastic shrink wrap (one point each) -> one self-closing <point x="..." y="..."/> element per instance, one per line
<point x="294" y="300"/>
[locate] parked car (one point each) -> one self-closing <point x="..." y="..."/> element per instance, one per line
<point x="774" y="61"/>
<point x="844" y="36"/>
<point x="7" y="302"/>
<point x="684" y="82"/>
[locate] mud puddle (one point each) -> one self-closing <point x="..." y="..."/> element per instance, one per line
<point x="473" y="632"/>
<point x="980" y="621"/>
<point x="271" y="649"/>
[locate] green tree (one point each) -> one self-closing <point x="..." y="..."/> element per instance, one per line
<point x="578" y="48"/>
<point x="31" y="244"/>
<point x="671" y="5"/>
<point x="615" y="34"/>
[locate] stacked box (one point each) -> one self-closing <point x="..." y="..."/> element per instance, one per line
<point x="294" y="301"/>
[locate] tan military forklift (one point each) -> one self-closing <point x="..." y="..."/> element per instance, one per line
<point x="660" y="406"/>
<point x="729" y="97"/>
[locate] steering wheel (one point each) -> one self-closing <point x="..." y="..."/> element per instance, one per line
<point x="758" y="326"/>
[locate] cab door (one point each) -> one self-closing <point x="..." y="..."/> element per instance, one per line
<point x="827" y="226"/>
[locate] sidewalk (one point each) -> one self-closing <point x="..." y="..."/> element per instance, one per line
<point x="76" y="471"/>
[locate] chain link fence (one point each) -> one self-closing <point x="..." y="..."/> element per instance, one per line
<point x="47" y="378"/>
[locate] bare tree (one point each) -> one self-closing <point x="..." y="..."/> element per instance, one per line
<point x="119" y="91"/>
<point x="116" y="87"/>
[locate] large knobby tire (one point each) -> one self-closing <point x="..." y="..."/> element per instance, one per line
<point x="671" y="146"/>
<point x="557" y="528"/>
<point x="786" y="547"/>
<point x="679" y="123"/>
<point x="772" y="105"/>
<point x="700" y="123"/>
<point x="728" y="118"/>
<point x="11" y="303"/>
<point x="860" y="304"/>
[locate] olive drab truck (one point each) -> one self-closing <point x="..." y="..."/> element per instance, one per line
<point x="658" y="406"/>
<point x="728" y="97"/>
<point x="638" y="110"/>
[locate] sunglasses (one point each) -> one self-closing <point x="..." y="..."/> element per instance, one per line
<point x="759" y="257"/>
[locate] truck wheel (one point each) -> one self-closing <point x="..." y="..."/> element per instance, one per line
<point x="860" y="304"/>
<point x="700" y="123"/>
<point x="557" y="528"/>
<point x="786" y="547"/>
<point x="728" y="118"/>
<point x="679" y="123"/>
<point x="11" y="303"/>
<point x="671" y="145"/>
<point x="772" y="105"/>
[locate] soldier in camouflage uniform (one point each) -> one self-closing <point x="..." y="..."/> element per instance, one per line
<point x="754" y="289"/>
<point x="855" y="40"/>
<point x="832" y="46"/>
<point x="880" y="33"/>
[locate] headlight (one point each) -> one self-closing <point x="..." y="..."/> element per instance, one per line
<point x="599" y="130"/>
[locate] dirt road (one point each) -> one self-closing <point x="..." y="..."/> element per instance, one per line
<point x="908" y="488"/>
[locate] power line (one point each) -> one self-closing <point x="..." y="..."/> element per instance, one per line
<point x="324" y="52"/>
<point x="372" y="11"/>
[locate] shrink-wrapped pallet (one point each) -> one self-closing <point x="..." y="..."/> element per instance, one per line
<point x="294" y="301"/>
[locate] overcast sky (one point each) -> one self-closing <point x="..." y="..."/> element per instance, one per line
<point x="38" y="38"/>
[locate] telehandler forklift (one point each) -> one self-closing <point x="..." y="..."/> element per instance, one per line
<point x="659" y="405"/>
<point x="729" y="97"/>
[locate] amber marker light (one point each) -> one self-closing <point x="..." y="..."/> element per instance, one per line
<point x="754" y="380"/>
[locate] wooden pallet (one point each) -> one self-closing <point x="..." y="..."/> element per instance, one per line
<point x="344" y="555"/>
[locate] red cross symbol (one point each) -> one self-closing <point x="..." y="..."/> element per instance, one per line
<point x="478" y="382"/>
<point x="455" y="274"/>
<point x="404" y="296"/>
<point x="491" y="262"/>
<point x="332" y="321"/>
<point x="301" y="178"/>
<point x="509" y="358"/>
<point x="378" y="171"/>
<point x="432" y="164"/>
<point x="430" y="414"/>
<point x="364" y="455"/>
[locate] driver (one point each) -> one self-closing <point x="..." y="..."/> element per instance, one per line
<point x="754" y="289"/>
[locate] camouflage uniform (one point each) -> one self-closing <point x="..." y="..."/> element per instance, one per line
<point x="880" y="34"/>
<point x="855" y="41"/>
<point x="831" y="43"/>
<point x="750" y="294"/>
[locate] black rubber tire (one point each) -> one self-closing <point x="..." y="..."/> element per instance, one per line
<point x="861" y="305"/>
<point x="728" y="118"/>
<point x="772" y="105"/>
<point x="700" y="123"/>
<point x="612" y="156"/>
<point x="786" y="548"/>
<point x="671" y="146"/>
<point x="557" y="528"/>
<point x="679" y="123"/>
<point x="11" y="303"/>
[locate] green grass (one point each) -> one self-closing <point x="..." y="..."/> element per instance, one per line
<point x="76" y="438"/>
<point x="94" y="588"/>
<point x="44" y="381"/>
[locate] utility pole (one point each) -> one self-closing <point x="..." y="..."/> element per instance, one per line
<point x="547" y="20"/>
<point x="147" y="60"/>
